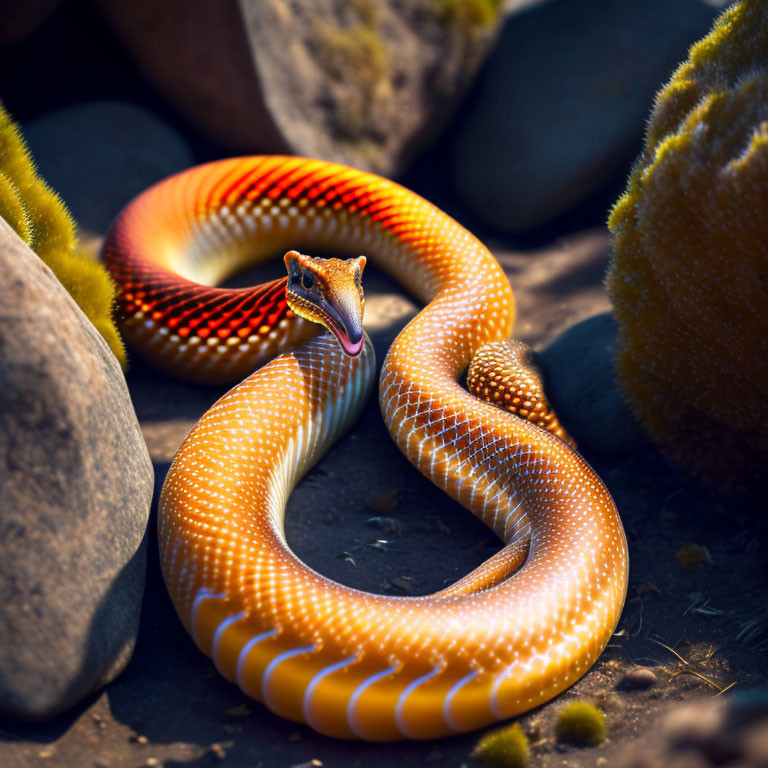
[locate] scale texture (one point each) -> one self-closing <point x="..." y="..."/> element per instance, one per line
<point x="513" y="633"/>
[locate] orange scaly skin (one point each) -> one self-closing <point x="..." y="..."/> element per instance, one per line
<point x="349" y="663"/>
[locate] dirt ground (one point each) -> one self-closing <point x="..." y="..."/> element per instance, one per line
<point x="170" y="706"/>
<point x="699" y="630"/>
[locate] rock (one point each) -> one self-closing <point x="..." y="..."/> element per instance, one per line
<point x="76" y="485"/>
<point x="580" y="382"/>
<point x="562" y="104"/>
<point x="747" y="707"/>
<point x="756" y="746"/>
<point x="693" y="556"/>
<point x="691" y="193"/>
<point x="385" y="524"/>
<point x="705" y="733"/>
<point x="99" y="155"/>
<point x="639" y="679"/>
<point x="365" y="83"/>
<point x="22" y="17"/>
<point x="692" y="725"/>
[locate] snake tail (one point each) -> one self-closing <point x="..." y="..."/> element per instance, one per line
<point x="507" y="637"/>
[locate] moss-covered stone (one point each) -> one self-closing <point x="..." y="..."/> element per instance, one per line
<point x="581" y="724"/>
<point x="472" y="15"/>
<point x="688" y="277"/>
<point x="13" y="211"/>
<point x="40" y="218"/>
<point x="355" y="59"/>
<point x="502" y="748"/>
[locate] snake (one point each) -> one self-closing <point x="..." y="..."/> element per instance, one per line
<point x="510" y="635"/>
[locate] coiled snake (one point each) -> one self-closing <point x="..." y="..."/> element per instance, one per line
<point x="512" y="634"/>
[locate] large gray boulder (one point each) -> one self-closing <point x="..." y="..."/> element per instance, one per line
<point x="365" y="83"/>
<point x="562" y="104"/>
<point x="75" y="490"/>
<point x="580" y="381"/>
<point x="98" y="155"/>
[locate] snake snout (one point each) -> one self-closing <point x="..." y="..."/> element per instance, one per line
<point x="344" y="318"/>
<point x="329" y="292"/>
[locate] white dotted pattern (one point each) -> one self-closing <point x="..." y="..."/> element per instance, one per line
<point x="507" y="637"/>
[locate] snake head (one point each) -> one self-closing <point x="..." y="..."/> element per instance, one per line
<point x="329" y="292"/>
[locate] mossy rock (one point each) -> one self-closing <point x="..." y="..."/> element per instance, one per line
<point x="688" y="277"/>
<point x="581" y="724"/>
<point x="40" y="218"/>
<point x="502" y="748"/>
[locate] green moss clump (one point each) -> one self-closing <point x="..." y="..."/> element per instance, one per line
<point x="580" y="723"/>
<point x="40" y="218"/>
<point x="687" y="275"/>
<point x="357" y="62"/>
<point x="472" y="15"/>
<point x="503" y="748"/>
<point x="13" y="210"/>
<point x="354" y="52"/>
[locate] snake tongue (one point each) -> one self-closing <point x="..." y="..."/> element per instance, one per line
<point x="346" y="324"/>
<point x="352" y="348"/>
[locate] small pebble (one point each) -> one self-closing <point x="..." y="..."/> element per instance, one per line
<point x="138" y="739"/>
<point x="639" y="679"/>
<point x="217" y="751"/>
<point x="402" y="583"/>
<point x="385" y="524"/>
<point x="383" y="502"/>
<point x="693" y="556"/>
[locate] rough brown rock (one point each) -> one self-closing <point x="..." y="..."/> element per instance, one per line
<point x="76" y="485"/>
<point x="366" y="82"/>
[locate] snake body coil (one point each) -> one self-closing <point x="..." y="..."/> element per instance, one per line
<point x="351" y="664"/>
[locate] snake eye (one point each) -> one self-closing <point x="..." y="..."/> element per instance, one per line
<point x="308" y="281"/>
<point x="294" y="273"/>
